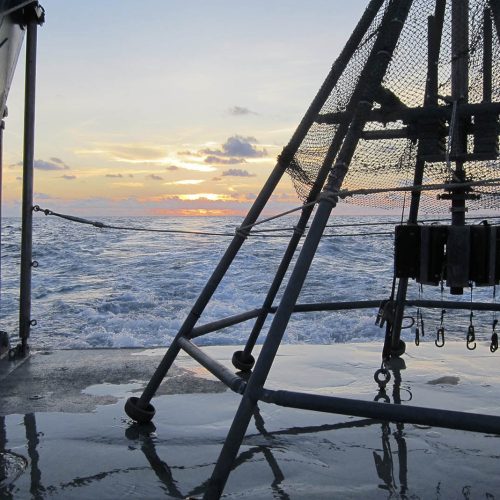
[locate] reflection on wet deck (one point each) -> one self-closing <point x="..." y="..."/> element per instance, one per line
<point x="286" y="454"/>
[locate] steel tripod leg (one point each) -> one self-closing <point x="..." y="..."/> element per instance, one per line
<point x="268" y="353"/>
<point x="299" y="274"/>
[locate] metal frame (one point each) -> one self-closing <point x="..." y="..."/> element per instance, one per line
<point x="30" y="15"/>
<point x="329" y="180"/>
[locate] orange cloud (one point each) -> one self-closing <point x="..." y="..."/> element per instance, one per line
<point x="196" y="212"/>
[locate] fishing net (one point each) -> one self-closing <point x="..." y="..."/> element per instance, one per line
<point x="391" y="162"/>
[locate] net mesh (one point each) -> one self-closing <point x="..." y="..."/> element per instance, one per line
<point x="389" y="163"/>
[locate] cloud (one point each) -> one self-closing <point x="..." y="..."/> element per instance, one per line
<point x="54" y="159"/>
<point x="49" y="165"/>
<point x="129" y="184"/>
<point x="188" y="153"/>
<point x="185" y="182"/>
<point x="240" y="111"/>
<point x="129" y="153"/>
<point x="237" y="172"/>
<point x="155" y="177"/>
<point x="68" y="177"/>
<point x="238" y="146"/>
<point x="114" y="176"/>
<point x="224" y="161"/>
<point x="42" y="196"/>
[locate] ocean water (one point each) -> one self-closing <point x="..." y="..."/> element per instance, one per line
<point x="111" y="288"/>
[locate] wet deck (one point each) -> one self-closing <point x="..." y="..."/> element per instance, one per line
<point x="63" y="433"/>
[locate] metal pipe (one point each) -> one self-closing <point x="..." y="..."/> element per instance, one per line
<point x="487" y="55"/>
<point x="337" y="306"/>
<point x="370" y="79"/>
<point x="2" y="127"/>
<point x="226" y="376"/>
<point x="376" y="135"/>
<point x="257" y="207"/>
<point x="28" y="174"/>
<point x="223" y="323"/>
<point x="319" y="306"/>
<point x="434" y="35"/>
<point x="467" y="306"/>
<point x="459" y="93"/>
<point x="411" y="114"/>
<point x="475" y="422"/>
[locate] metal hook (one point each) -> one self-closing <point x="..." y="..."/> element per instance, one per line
<point x="440" y="337"/>
<point x="494" y="337"/>
<point x="494" y="342"/>
<point x="471" y="337"/>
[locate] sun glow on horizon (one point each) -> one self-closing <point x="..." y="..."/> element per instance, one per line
<point x="203" y="196"/>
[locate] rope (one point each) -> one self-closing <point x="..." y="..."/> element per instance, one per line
<point x="102" y="225"/>
<point x="282" y="214"/>
<point x="260" y="232"/>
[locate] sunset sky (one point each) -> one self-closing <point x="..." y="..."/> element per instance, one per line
<point x="174" y="107"/>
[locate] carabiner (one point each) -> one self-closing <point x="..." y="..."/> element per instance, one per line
<point x="440" y="337"/>
<point x="471" y="337"/>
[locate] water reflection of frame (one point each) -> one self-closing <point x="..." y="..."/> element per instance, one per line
<point x="390" y="459"/>
<point x="145" y="438"/>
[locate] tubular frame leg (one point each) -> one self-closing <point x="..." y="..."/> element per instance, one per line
<point x="387" y="38"/>
<point x="28" y="174"/>
<point x="434" y="36"/>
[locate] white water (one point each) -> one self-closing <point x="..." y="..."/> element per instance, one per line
<point x="108" y="288"/>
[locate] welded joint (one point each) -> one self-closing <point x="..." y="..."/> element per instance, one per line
<point x="238" y="385"/>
